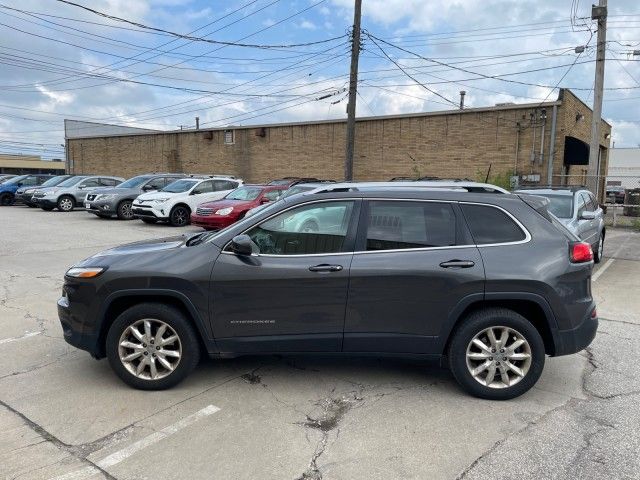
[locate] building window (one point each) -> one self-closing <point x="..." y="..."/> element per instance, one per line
<point x="229" y="137"/>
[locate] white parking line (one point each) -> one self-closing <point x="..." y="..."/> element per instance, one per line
<point x="602" y="269"/>
<point x="13" y="339"/>
<point x="126" y="452"/>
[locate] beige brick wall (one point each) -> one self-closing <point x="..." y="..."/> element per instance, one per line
<point x="458" y="144"/>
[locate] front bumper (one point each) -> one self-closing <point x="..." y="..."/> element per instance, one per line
<point x="24" y="198"/>
<point x="45" y="202"/>
<point x="576" y="339"/>
<point x="73" y="335"/>
<point x="100" y="208"/>
<point x="149" y="212"/>
<point x="212" y="222"/>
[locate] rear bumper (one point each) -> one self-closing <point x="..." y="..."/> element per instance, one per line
<point x="576" y="339"/>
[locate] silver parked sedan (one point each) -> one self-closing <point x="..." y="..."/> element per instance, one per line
<point x="578" y="209"/>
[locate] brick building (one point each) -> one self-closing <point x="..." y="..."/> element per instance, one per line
<point x="500" y="141"/>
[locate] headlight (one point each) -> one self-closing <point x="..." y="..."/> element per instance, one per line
<point x="224" y="211"/>
<point x="30" y="190"/>
<point x="87" y="272"/>
<point x="52" y="192"/>
<point x="160" y="200"/>
<point x="107" y="196"/>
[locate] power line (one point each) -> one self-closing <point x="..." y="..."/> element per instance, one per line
<point x="202" y="39"/>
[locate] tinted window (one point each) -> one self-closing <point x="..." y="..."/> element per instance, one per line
<point x="316" y="228"/>
<point x="400" y="225"/>
<point x="244" y="193"/>
<point x="134" y="182"/>
<point x="108" y="182"/>
<point x="272" y="195"/>
<point x="592" y="205"/>
<point x="92" y="182"/>
<point x="204" y="187"/>
<point x="52" y="182"/>
<point x="157" y="183"/>
<point x="560" y="205"/>
<point x="30" y="181"/>
<point x="71" y="181"/>
<point x="221" y="185"/>
<point x="491" y="225"/>
<point x="180" y="186"/>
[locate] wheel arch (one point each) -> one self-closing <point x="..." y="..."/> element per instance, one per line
<point x="531" y="306"/>
<point x="118" y="302"/>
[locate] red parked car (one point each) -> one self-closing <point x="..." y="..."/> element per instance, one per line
<point x="222" y="213"/>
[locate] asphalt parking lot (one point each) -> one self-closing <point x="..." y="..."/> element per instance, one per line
<point x="64" y="415"/>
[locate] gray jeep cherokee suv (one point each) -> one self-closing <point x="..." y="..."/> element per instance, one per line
<point x="488" y="283"/>
<point x="117" y="201"/>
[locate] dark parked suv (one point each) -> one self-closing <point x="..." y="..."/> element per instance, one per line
<point x="488" y="283"/>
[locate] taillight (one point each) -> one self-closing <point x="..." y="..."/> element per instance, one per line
<point x="580" y="252"/>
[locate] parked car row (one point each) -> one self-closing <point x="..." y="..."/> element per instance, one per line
<point x="216" y="201"/>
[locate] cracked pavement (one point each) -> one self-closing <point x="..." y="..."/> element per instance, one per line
<point x="63" y="413"/>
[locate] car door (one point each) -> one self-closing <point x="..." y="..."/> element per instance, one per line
<point x="414" y="261"/>
<point x="201" y="193"/>
<point x="290" y="295"/>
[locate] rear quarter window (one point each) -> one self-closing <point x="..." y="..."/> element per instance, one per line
<point x="491" y="225"/>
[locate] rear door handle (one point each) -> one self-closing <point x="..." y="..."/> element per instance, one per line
<point x="457" y="264"/>
<point x="325" y="268"/>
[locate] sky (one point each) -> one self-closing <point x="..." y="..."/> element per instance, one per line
<point x="268" y="61"/>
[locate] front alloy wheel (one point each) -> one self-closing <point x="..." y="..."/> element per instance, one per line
<point x="65" y="204"/>
<point x="150" y="349"/>
<point x="125" y="210"/>
<point x="152" y="346"/>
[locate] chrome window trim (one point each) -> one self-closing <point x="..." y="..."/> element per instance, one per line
<point x="369" y="252"/>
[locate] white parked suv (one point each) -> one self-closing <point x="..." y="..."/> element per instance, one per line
<point x="175" y="202"/>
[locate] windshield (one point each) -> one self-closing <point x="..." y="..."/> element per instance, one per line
<point x="15" y="180"/>
<point x="134" y="182"/>
<point x="244" y="193"/>
<point x="179" y="186"/>
<point x="71" y="181"/>
<point x="561" y="205"/>
<point x="52" y="182"/>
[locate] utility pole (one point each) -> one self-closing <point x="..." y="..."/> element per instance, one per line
<point x="353" y="90"/>
<point x="598" y="13"/>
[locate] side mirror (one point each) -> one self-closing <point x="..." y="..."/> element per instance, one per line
<point x="241" y="245"/>
<point x="588" y="215"/>
<point x="146" y="188"/>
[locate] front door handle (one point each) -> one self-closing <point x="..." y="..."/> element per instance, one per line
<point x="457" y="264"/>
<point x="325" y="268"/>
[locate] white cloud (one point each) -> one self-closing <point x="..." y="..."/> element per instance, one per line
<point x="307" y="25"/>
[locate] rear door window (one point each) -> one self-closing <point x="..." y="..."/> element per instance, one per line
<point x="222" y="185"/>
<point x="394" y="225"/>
<point x="490" y="225"/>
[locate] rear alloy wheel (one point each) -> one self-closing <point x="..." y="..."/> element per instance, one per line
<point x="152" y="346"/>
<point x="599" y="250"/>
<point x="496" y="354"/>
<point x="6" y="199"/>
<point x="66" y="203"/>
<point x="125" y="210"/>
<point x="179" y="216"/>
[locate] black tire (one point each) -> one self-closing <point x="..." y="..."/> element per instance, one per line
<point x="597" y="256"/>
<point x="6" y="199"/>
<point x="177" y="321"/>
<point x="66" y="203"/>
<point x="149" y="220"/>
<point x="180" y="216"/>
<point x="47" y="209"/>
<point x="124" y="210"/>
<point x="478" y="322"/>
